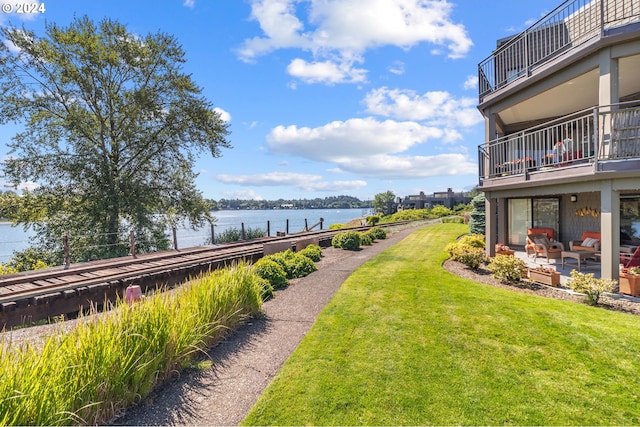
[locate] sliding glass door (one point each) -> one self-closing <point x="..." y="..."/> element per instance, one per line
<point x="531" y="213"/>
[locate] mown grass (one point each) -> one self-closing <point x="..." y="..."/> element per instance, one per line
<point x="86" y="375"/>
<point x="404" y="342"/>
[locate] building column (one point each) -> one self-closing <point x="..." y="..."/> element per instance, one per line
<point x="491" y="226"/>
<point x="609" y="230"/>
<point x="608" y="92"/>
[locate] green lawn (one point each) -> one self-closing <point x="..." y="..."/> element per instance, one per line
<point x="404" y="342"/>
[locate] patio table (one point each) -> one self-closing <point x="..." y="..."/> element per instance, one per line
<point x="580" y="256"/>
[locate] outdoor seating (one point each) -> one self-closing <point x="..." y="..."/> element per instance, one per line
<point x="540" y="243"/>
<point x="589" y="241"/>
<point x="631" y="260"/>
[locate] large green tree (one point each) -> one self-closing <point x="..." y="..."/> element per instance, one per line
<point x="112" y="127"/>
<point x="383" y="202"/>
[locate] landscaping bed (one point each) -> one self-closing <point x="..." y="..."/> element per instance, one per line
<point x="483" y="275"/>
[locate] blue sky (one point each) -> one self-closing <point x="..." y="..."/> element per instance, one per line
<point x="326" y="97"/>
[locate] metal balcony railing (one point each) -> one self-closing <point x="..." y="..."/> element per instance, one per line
<point x="588" y="136"/>
<point x="566" y="27"/>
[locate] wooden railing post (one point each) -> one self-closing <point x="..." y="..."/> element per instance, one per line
<point x="213" y="235"/>
<point x="321" y="221"/>
<point x="242" y="230"/>
<point x="287" y="226"/>
<point x="67" y="256"/>
<point x="268" y="228"/>
<point x="306" y="226"/>
<point x="175" y="239"/>
<point x="132" y="239"/>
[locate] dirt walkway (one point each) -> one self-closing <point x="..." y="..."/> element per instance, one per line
<point x="246" y="362"/>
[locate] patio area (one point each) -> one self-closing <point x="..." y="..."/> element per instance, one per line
<point x="590" y="266"/>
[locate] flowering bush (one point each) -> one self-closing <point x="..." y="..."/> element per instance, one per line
<point x="589" y="285"/>
<point x="507" y="269"/>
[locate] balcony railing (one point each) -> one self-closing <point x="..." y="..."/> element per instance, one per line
<point x="589" y="136"/>
<point x="568" y="26"/>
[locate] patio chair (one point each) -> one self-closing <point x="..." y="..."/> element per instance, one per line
<point x="631" y="260"/>
<point x="540" y="245"/>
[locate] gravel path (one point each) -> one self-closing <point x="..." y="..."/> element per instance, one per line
<point x="249" y="358"/>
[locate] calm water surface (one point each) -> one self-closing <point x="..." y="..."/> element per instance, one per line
<point x="16" y="239"/>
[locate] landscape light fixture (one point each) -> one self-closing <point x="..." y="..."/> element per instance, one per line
<point x="574" y="198"/>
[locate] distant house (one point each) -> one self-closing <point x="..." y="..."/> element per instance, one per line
<point x="448" y="199"/>
<point x="561" y="103"/>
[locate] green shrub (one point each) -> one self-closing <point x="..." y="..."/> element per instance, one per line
<point x="349" y="240"/>
<point x="271" y="271"/>
<point x="507" y="269"/>
<point x="377" y="233"/>
<point x="293" y="263"/>
<point x="336" y="226"/>
<point x="233" y="234"/>
<point x="441" y="211"/>
<point x="473" y="240"/>
<point x="313" y="252"/>
<point x="469" y="255"/>
<point x="366" y="239"/>
<point x="587" y="284"/>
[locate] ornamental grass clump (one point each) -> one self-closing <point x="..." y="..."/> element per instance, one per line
<point x="107" y="362"/>
<point x="507" y="269"/>
<point x="588" y="284"/>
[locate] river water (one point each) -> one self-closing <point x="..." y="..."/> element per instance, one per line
<point x="16" y="239"/>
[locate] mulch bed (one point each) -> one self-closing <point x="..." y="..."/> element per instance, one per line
<point x="615" y="302"/>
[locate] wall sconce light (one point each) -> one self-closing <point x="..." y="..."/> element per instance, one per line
<point x="574" y="198"/>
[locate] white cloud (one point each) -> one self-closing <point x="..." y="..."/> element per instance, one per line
<point x="471" y="82"/>
<point x="370" y="148"/>
<point x="224" y="115"/>
<point x="189" y="3"/>
<point x="409" y="167"/>
<point x="305" y="182"/>
<point x="326" y="72"/>
<point x="397" y="68"/>
<point x="437" y="108"/>
<point x="337" y="33"/>
<point x="352" y="138"/>
<point x="242" y="195"/>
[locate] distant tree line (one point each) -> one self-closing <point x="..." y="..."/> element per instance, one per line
<point x="333" y="202"/>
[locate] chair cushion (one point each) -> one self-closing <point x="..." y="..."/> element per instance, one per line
<point x="589" y="242"/>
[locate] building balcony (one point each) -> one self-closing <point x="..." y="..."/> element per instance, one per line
<point x="566" y="30"/>
<point x="602" y="140"/>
